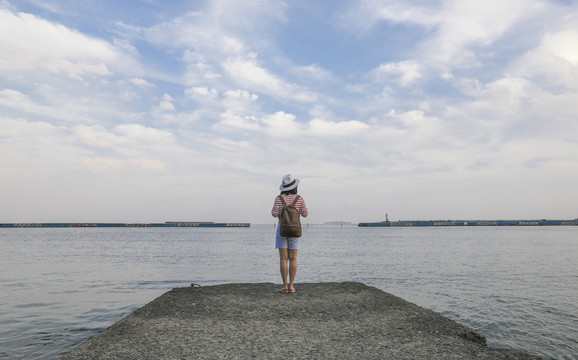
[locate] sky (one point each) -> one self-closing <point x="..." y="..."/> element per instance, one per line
<point x="154" y="111"/>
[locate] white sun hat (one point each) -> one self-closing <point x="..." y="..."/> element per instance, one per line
<point x="288" y="183"/>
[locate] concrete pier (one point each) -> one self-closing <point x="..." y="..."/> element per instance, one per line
<point x="319" y="321"/>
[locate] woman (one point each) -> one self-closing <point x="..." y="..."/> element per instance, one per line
<point x="288" y="246"/>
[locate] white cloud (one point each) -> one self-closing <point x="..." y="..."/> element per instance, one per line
<point x="96" y="135"/>
<point x="200" y="70"/>
<point x="166" y="106"/>
<point x="201" y="91"/>
<point x="248" y="74"/>
<point x="563" y="45"/>
<point x="455" y="29"/>
<point x="324" y="128"/>
<point x="128" y="140"/>
<point x="15" y="99"/>
<point x="234" y="120"/>
<point x="47" y="101"/>
<point x="553" y="63"/>
<point x="277" y="125"/>
<point x="465" y="25"/>
<point x="208" y="35"/>
<point x="314" y="71"/>
<point x="34" y="149"/>
<point x="232" y="45"/>
<point x="148" y="164"/>
<point x="166" y="103"/>
<point x="141" y="82"/>
<point x="406" y="72"/>
<point x="241" y="94"/>
<point x="102" y="165"/>
<point x="139" y="134"/>
<point x="249" y="16"/>
<point x="365" y="15"/>
<point x="36" y="44"/>
<point x="456" y="105"/>
<point x="282" y="124"/>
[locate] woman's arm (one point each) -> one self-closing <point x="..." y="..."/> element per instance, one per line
<point x="302" y="207"/>
<point x="276" y="207"/>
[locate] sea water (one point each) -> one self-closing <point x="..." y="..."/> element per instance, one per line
<point x="518" y="286"/>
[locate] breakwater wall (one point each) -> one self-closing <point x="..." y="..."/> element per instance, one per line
<point x="410" y="223"/>
<point x="92" y="225"/>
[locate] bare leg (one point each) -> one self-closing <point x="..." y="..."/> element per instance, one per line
<point x="292" y="255"/>
<point x="283" y="257"/>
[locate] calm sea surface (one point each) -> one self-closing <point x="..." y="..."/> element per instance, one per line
<point x="518" y="286"/>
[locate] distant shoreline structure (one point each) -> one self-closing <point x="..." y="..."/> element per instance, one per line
<point x="168" y="224"/>
<point x="425" y="223"/>
<point x="210" y="224"/>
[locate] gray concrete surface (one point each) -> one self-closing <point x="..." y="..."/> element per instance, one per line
<point x="255" y="321"/>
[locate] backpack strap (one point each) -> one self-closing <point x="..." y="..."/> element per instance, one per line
<point x="295" y="200"/>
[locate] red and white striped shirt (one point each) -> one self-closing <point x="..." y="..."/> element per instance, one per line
<point x="300" y="205"/>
